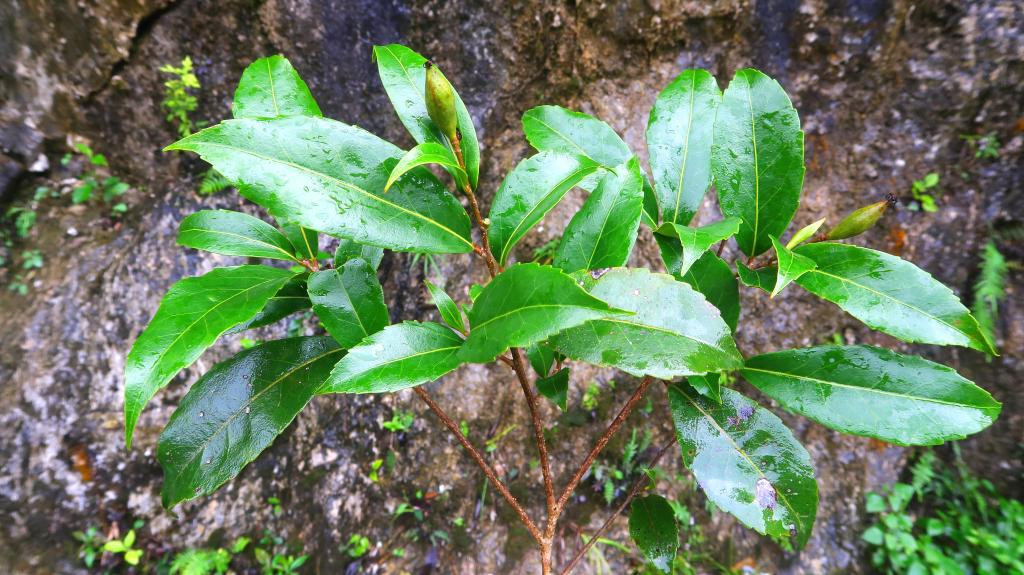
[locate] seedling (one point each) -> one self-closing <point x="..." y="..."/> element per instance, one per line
<point x="401" y="421"/>
<point x="985" y="147"/>
<point x="178" y="98"/>
<point x="925" y="198"/>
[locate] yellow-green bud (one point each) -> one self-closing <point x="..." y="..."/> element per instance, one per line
<point x="441" y="101"/>
<point x="859" y="221"/>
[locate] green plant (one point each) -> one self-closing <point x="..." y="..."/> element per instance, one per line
<point x="357" y="546"/>
<point x="124" y="547"/>
<point x="213" y="182"/>
<point x="586" y="306"/>
<point x="178" y="100"/>
<point x="110" y="187"/>
<point x="91" y="545"/>
<point x="990" y="289"/>
<point x="401" y="421"/>
<point x="984" y="146"/>
<point x="922" y="194"/>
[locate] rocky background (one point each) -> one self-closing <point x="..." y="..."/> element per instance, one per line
<point x="884" y="88"/>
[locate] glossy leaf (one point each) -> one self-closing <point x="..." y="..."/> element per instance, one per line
<point x="447" y="308"/>
<point x="805" y="233"/>
<point x="679" y="136"/>
<point x="348" y="249"/>
<point x="234" y="234"/>
<point x="874" y="392"/>
<point x="757" y="158"/>
<point x="193" y="314"/>
<point x="790" y="266"/>
<point x="305" y="242"/>
<point x="528" y="193"/>
<point x="327" y="176"/>
<point x="270" y="87"/>
<point x="402" y="73"/>
<point x="556" y="388"/>
<point x="524" y="305"/>
<point x="425" y="154"/>
<point x="709" y="385"/>
<point x="557" y="129"/>
<point x="289" y="299"/>
<point x="653" y="527"/>
<point x="714" y="278"/>
<point x="349" y="301"/>
<point x="763" y="278"/>
<point x="541" y="357"/>
<point x="674" y="331"/>
<point x="602" y="233"/>
<point x="399" y="356"/>
<point x="694" y="242"/>
<point x="236" y="410"/>
<point x="891" y="295"/>
<point x="747" y="462"/>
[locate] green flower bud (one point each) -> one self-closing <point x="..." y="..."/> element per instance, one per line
<point x="441" y="101"/>
<point x="859" y="221"/>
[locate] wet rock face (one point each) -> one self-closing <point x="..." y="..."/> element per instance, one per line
<point x="884" y="90"/>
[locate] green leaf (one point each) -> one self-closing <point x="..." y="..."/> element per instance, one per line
<point x="696" y="241"/>
<point x="757" y="158"/>
<point x="556" y="388"/>
<point x="193" y="314"/>
<point x="747" y="462"/>
<point x="524" y="305"/>
<point x="891" y="295"/>
<point x="528" y="193"/>
<point x="653" y="527"/>
<point x="763" y="278"/>
<point x="557" y="129"/>
<point x="602" y="233"/>
<point x="711" y="276"/>
<point x="708" y="385"/>
<point x="349" y="301"/>
<point x="424" y="154"/>
<point x="541" y="357"/>
<point x="449" y="311"/>
<point x="674" y="330"/>
<point x="234" y="234"/>
<point x="288" y="300"/>
<point x="348" y="249"/>
<point x="402" y="73"/>
<point x="329" y="177"/>
<point x="803" y="234"/>
<point x="874" y="392"/>
<point x="306" y="242"/>
<point x="790" y="266"/>
<point x="397" y="357"/>
<point x="269" y="88"/>
<point x="236" y="410"/>
<point x="679" y="135"/>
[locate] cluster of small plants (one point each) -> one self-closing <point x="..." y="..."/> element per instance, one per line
<point x="578" y="302"/>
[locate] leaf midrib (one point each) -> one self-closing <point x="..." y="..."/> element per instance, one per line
<point x="686" y="146"/>
<point x="532" y="307"/>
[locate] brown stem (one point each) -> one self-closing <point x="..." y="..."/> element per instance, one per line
<point x="498" y="484"/>
<point x="770" y="259"/>
<point x="602" y="442"/>
<point x="538" y="429"/>
<point x="492" y="264"/>
<point x="637" y="487"/>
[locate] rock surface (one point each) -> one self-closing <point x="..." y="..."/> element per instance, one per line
<point x="884" y="90"/>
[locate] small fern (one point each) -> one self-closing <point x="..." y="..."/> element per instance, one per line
<point x="213" y="182"/>
<point x="200" y="562"/>
<point x="990" y="289"/>
<point x="922" y="473"/>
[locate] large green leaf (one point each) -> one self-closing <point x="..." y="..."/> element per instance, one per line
<point x="236" y="410"/>
<point x="329" y="177"/>
<point x="524" y="305"/>
<point x="448" y="309"/>
<point x="397" y="357"/>
<point x="529" y="192"/>
<point x="349" y="301"/>
<point x="234" y="234"/>
<point x="679" y="134"/>
<point x="674" y="330"/>
<point x="402" y="73"/>
<point x="425" y="154"/>
<point x="694" y="242"/>
<point x="891" y="295"/>
<point x="270" y="87"/>
<point x="874" y="392"/>
<point x="790" y="266"/>
<point x="714" y="278"/>
<point x="653" y="527"/>
<point x="193" y="314"/>
<point x="602" y="233"/>
<point x="289" y="299"/>
<point x="747" y="462"/>
<point x="757" y="158"/>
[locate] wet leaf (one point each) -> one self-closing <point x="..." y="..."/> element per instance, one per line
<point x="288" y="300"/>
<point x="398" y="357"/>
<point x="679" y="135"/>
<point x="193" y="314"/>
<point x="425" y="154"/>
<point x="556" y="388"/>
<point x="762" y="278"/>
<point x="507" y="313"/>
<point x="757" y="158"/>
<point x="349" y="301"/>
<point x="270" y="87"/>
<point x="674" y="331"/>
<point x="709" y="385"/>
<point x="306" y="242"/>
<point x="653" y="527"/>
<point x="528" y="193"/>
<point x="874" y="392"/>
<point x="891" y="295"/>
<point x="327" y="176"/>
<point x="602" y="233"/>
<point x="790" y="266"/>
<point x="714" y="278"/>
<point x="403" y="75"/>
<point x="449" y="311"/>
<point x="694" y="242"/>
<point x="348" y="249"/>
<point x="747" y="462"/>
<point x="236" y="410"/>
<point x="234" y="234"/>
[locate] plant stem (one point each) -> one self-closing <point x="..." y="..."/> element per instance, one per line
<point x="538" y="429"/>
<point x="475" y="454"/>
<point x="492" y="264"/>
<point x="637" y="487"/>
